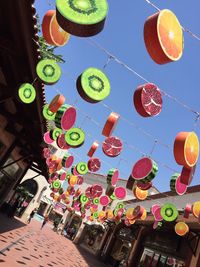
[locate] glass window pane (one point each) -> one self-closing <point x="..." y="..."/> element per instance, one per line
<point x="146" y="258"/>
<point x="162" y="261"/>
<point x="155" y="260"/>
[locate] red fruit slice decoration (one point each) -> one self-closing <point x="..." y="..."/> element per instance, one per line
<point x="130" y="183"/>
<point x="65" y="117"/>
<point x="144" y="186"/>
<point x="187" y="211"/>
<point x="47" y="138"/>
<point x="187" y="175"/>
<point x="46" y="152"/>
<point x="56" y="103"/>
<point x="96" y="190"/>
<point x="104" y="200"/>
<point x="67" y="161"/>
<point x="154" y="208"/>
<point x="112" y="177"/>
<point x="137" y="212"/>
<point x="176" y="185"/>
<point x="145" y="170"/>
<point x="110" y="124"/>
<point x="120" y="192"/>
<point x="94" y="164"/>
<point x="157" y="214"/>
<point x="61" y="143"/>
<point x="80" y="180"/>
<point x="93" y="149"/>
<point x="148" y="100"/>
<point x="112" y="146"/>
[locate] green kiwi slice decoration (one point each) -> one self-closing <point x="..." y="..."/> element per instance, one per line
<point x="48" y="71"/>
<point x="83" y="199"/>
<point x="56" y="184"/>
<point x="26" y="93"/>
<point x="74" y="137"/>
<point x="54" y="133"/>
<point x="93" y="85"/>
<point x="48" y="115"/>
<point x="82" y="168"/>
<point x="81" y="17"/>
<point x="169" y="212"/>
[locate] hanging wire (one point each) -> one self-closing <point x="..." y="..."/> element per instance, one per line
<point x="153" y="148"/>
<point x="107" y="62"/>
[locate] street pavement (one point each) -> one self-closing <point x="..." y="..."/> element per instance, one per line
<point x="27" y="245"/>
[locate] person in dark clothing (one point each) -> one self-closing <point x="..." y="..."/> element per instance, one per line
<point x="46" y="218"/>
<point x="31" y="215"/>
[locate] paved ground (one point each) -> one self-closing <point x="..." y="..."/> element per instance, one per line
<point x="27" y="245"/>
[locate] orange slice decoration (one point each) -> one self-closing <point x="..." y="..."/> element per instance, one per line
<point x="196" y="209"/>
<point x="186" y="149"/>
<point x="181" y="228"/>
<point x="163" y="37"/>
<point x="140" y="194"/>
<point x="56" y="103"/>
<point x="52" y="32"/>
<point x="129" y="214"/>
<point x="144" y="215"/>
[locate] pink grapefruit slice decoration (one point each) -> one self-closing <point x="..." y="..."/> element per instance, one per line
<point x="47" y="138"/>
<point x="104" y="200"/>
<point x="94" y="164"/>
<point x="176" y="185"/>
<point x="120" y="192"/>
<point x="112" y="146"/>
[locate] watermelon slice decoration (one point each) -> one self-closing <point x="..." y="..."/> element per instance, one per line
<point x="96" y="190"/>
<point x="181" y="228"/>
<point x="120" y="192"/>
<point x="52" y="32"/>
<point x="120" y="205"/>
<point x="187" y="211"/>
<point x="169" y="212"/>
<point x="93" y="149"/>
<point x="61" y="143"/>
<point x="144" y="186"/>
<point x="137" y="212"/>
<point x="113" y="176"/>
<point x="48" y="115"/>
<point x="48" y="71"/>
<point x="27" y="93"/>
<point x="119" y="214"/>
<point x="187" y="175"/>
<point x="56" y="103"/>
<point x="148" y="100"/>
<point x="154" y="208"/>
<point x="80" y="180"/>
<point x="65" y="117"/>
<point x="130" y="183"/>
<point x="176" y="185"/>
<point x="110" y="124"/>
<point x="75" y="137"/>
<point x="112" y="146"/>
<point x="186" y="149"/>
<point x="145" y="170"/>
<point x="62" y="176"/>
<point x="104" y="200"/>
<point x="47" y="138"/>
<point x="82" y="168"/>
<point x="67" y="160"/>
<point x="94" y="164"/>
<point x="81" y="17"/>
<point x="54" y="133"/>
<point x="196" y="209"/>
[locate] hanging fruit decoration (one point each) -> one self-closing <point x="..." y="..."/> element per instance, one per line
<point x="48" y="115"/>
<point x="157" y="214"/>
<point x="26" y="93"/>
<point x="144" y="186"/>
<point x="163" y="37"/>
<point x="187" y="211"/>
<point x="96" y="190"/>
<point x="169" y="212"/>
<point x="112" y="146"/>
<point x="196" y="209"/>
<point x="104" y="200"/>
<point x="144" y="215"/>
<point x="176" y="185"/>
<point x="47" y="138"/>
<point x="144" y="170"/>
<point x="93" y="85"/>
<point x="148" y="100"/>
<point x="109" y="190"/>
<point x="67" y="160"/>
<point x="93" y="149"/>
<point x="61" y="143"/>
<point x="110" y="124"/>
<point x="120" y="192"/>
<point x="186" y="149"/>
<point x="82" y="168"/>
<point x="130" y="183"/>
<point x="52" y="32"/>
<point x="82" y="17"/>
<point x="65" y="117"/>
<point x="56" y="103"/>
<point x="140" y="194"/>
<point x="112" y="177"/>
<point x="48" y="71"/>
<point x="80" y="180"/>
<point x="187" y="175"/>
<point x="138" y="212"/>
<point x="94" y="164"/>
<point x="154" y="208"/>
<point x="181" y="228"/>
<point x="75" y="137"/>
<point x="109" y="214"/>
<point x="54" y="133"/>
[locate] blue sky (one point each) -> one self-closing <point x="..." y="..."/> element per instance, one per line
<point x="123" y="36"/>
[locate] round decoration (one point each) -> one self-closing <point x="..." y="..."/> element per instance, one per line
<point x="147" y="100"/>
<point x="144" y="186"/>
<point x="61" y="143"/>
<point x="62" y="176"/>
<point x="187" y="175"/>
<point x="74" y="171"/>
<point x="129" y="213"/>
<point x="145" y="170"/>
<point x="176" y="185"/>
<point x="56" y="184"/>
<point x="65" y="117"/>
<point x="81" y="17"/>
<point x="96" y="190"/>
<point x="186" y="149"/>
<point x="26" y="93"/>
<point x="140" y="194"/>
<point x="102" y="214"/>
<point x="48" y="71"/>
<point x="54" y="133"/>
<point x="80" y="180"/>
<point x="47" y="138"/>
<point x="157" y="214"/>
<point x="82" y="168"/>
<point x="93" y="149"/>
<point x="138" y="212"/>
<point x="88" y="192"/>
<point x="109" y="214"/>
<point x="67" y="160"/>
<point x="112" y="146"/>
<point x="196" y="209"/>
<point x="181" y="228"/>
<point x="75" y="137"/>
<point x="94" y="164"/>
<point x="96" y="201"/>
<point x="112" y="177"/>
<point x="56" y="103"/>
<point x="120" y="192"/>
<point x="104" y="200"/>
<point x="110" y="124"/>
<point x="163" y="37"/>
<point x="52" y="32"/>
<point x="187" y="211"/>
<point x="93" y="85"/>
<point x="48" y="115"/>
<point x="72" y="180"/>
<point x="169" y="212"/>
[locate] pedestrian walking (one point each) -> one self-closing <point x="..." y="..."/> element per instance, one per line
<point x="31" y="215"/>
<point x="46" y="218"/>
